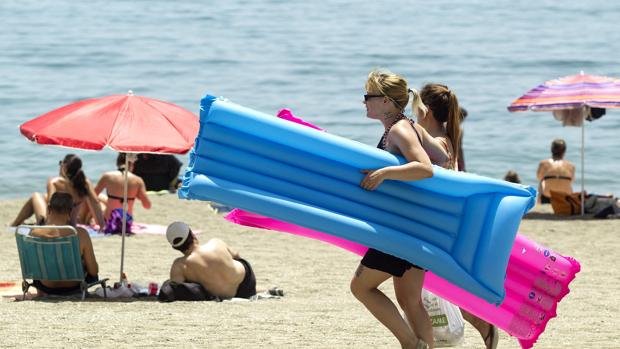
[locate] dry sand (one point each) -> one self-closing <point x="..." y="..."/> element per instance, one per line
<point x="318" y="310"/>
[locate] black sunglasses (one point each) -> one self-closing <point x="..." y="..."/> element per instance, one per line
<point x="367" y="97"/>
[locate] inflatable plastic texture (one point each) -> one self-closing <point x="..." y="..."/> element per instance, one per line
<point x="460" y="226"/>
<point x="537" y="278"/>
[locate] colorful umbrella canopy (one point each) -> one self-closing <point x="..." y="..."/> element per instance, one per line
<point x="571" y="92"/>
<point x="125" y="123"/>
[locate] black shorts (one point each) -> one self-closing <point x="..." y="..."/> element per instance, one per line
<point x="386" y="263"/>
<point x="247" y="287"/>
<point x="62" y="291"/>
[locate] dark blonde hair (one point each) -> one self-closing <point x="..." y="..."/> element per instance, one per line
<point x="558" y="148"/>
<point x="394" y="87"/>
<point x="445" y="106"/>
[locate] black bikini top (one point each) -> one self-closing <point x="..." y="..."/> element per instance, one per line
<point x="119" y="198"/>
<point x="383" y="139"/>
<point x="557" y="177"/>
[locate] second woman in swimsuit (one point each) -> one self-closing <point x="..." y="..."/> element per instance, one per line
<point x="439" y="115"/>
<point x="113" y="182"/>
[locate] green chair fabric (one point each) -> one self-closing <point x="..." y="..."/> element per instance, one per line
<point x="52" y="259"/>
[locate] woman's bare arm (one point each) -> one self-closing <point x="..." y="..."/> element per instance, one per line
<point x="418" y="166"/>
<point x="93" y="205"/>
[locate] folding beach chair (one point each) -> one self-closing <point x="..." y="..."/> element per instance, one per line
<point x="53" y="259"/>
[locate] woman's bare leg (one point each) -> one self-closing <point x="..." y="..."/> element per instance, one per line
<point x="482" y="326"/>
<point x="408" y="290"/>
<point x="35" y="205"/>
<point x="364" y="287"/>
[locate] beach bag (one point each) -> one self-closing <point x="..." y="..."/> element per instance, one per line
<point x="183" y="291"/>
<point x="565" y="204"/>
<point x="447" y="320"/>
<point x="602" y="206"/>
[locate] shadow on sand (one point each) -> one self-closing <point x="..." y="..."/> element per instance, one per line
<point x="550" y="216"/>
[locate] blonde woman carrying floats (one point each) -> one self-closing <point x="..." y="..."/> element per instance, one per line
<point x="386" y="97"/>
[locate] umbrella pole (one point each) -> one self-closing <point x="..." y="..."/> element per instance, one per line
<point x="124" y="228"/>
<point x="583" y="125"/>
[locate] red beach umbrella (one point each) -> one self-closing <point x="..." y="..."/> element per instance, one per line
<point x="125" y="123"/>
<point x="576" y="92"/>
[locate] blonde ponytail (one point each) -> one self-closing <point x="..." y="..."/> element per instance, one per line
<point x="416" y="103"/>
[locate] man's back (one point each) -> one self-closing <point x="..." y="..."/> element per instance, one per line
<point x="86" y="251"/>
<point x="213" y="266"/>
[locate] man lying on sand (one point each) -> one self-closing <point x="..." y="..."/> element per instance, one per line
<point x="59" y="213"/>
<point x="213" y="265"/>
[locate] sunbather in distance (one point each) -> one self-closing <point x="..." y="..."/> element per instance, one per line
<point x="555" y="173"/>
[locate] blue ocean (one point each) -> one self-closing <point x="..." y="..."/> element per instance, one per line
<point x="313" y="58"/>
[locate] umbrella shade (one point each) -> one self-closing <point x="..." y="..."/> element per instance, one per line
<point x="125" y="123"/>
<point x="571" y="92"/>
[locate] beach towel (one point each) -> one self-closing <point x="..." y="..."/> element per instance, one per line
<point x="9" y="289"/>
<point x="136" y="229"/>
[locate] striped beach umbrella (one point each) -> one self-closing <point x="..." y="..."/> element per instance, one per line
<point x="571" y="92"/>
<point x="581" y="91"/>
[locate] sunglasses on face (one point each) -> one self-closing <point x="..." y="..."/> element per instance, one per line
<point x="367" y="97"/>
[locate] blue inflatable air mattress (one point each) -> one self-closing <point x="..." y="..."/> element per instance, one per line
<point x="458" y="225"/>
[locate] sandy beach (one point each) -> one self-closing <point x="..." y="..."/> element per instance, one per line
<point x="318" y="310"/>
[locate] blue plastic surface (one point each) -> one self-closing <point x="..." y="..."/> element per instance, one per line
<point x="459" y="225"/>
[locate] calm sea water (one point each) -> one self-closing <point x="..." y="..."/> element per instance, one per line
<point x="312" y="57"/>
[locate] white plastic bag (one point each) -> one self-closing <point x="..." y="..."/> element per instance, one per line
<point x="448" y="323"/>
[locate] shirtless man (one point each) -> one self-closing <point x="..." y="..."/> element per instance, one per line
<point x="59" y="213"/>
<point x="214" y="265"/>
<point x="113" y="182"/>
<point x="555" y="173"/>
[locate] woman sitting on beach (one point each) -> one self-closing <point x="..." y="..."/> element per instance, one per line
<point x="71" y="180"/>
<point x="386" y="97"/>
<point x="112" y="204"/>
<point x="555" y="173"/>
